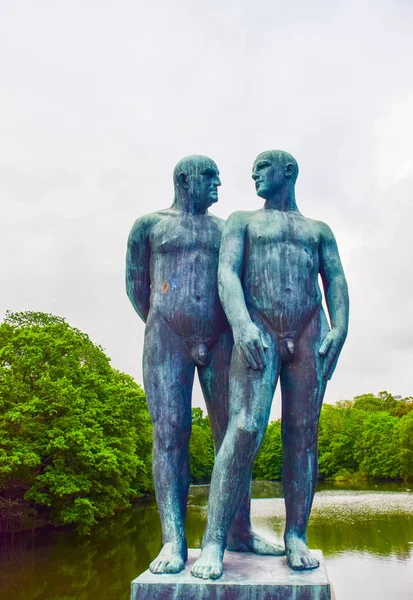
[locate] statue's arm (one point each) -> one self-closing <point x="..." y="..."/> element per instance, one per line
<point x="247" y="337"/>
<point x="231" y="257"/>
<point x="337" y="299"/>
<point x="137" y="267"/>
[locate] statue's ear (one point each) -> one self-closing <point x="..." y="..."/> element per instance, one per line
<point x="183" y="180"/>
<point x="289" y="169"/>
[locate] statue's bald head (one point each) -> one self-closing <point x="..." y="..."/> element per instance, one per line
<point x="193" y="165"/>
<point x="273" y="170"/>
<point x="281" y="158"/>
<point x="196" y="179"/>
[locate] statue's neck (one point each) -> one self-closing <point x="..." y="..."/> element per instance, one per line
<point x="283" y="200"/>
<point x="185" y="204"/>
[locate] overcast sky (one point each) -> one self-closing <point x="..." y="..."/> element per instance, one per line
<point x="100" y="99"/>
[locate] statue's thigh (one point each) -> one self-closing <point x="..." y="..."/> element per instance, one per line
<point x="302" y="383"/>
<point x="168" y="375"/>
<point x="251" y="392"/>
<point x="214" y="379"/>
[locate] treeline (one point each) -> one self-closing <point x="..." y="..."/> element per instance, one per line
<point x="368" y="437"/>
<point x="76" y="438"/>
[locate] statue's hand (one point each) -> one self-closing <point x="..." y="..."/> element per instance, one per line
<point x="249" y="340"/>
<point x="330" y="348"/>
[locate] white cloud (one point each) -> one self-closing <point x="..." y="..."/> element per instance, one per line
<point x="394" y="140"/>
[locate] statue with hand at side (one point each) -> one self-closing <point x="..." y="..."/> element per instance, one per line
<point x="270" y="260"/>
<point x="171" y="281"/>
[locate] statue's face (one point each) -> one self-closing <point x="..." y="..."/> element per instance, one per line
<point x="203" y="183"/>
<point x="268" y="173"/>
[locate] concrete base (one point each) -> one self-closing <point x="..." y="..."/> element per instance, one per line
<point x="246" y="577"/>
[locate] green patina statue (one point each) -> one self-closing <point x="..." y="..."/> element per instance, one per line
<point x="171" y="280"/>
<point x="270" y="260"/>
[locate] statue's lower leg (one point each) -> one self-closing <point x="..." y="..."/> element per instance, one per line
<point x="171" y="476"/>
<point x="241" y="536"/>
<point x="225" y="498"/>
<point x="214" y="382"/>
<point x="300" y="467"/>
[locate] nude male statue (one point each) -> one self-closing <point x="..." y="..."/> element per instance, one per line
<point x="171" y="280"/>
<point x="269" y="264"/>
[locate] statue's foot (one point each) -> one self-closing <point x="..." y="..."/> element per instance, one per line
<point x="171" y="559"/>
<point x="299" y="556"/>
<point x="209" y="564"/>
<point x="251" y="542"/>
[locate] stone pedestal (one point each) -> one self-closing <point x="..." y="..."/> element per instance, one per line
<point x="245" y="577"/>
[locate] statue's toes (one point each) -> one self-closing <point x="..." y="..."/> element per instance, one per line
<point x="295" y="562"/>
<point x="302" y="562"/>
<point x="174" y="566"/>
<point x="153" y="566"/>
<point x="311" y="562"/>
<point x="216" y="572"/>
<point x="263" y="547"/>
<point x="197" y="571"/>
<point x="156" y="566"/>
<point x="205" y="572"/>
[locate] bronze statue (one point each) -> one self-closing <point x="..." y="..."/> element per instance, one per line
<point x="270" y="260"/>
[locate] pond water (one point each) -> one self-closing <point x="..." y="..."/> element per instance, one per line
<point x="365" y="533"/>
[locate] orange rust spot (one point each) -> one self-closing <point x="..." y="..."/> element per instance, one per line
<point x="164" y="287"/>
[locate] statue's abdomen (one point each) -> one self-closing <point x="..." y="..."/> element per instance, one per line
<point x="184" y="292"/>
<point x="280" y="282"/>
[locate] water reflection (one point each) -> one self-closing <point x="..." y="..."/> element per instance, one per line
<point x="352" y="528"/>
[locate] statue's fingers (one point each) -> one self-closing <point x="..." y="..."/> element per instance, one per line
<point x="243" y="356"/>
<point x="328" y="363"/>
<point x="255" y="354"/>
<point x="250" y="358"/>
<point x="261" y="353"/>
<point x="325" y="345"/>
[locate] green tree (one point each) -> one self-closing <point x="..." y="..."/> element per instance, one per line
<point x="268" y="464"/>
<point x="75" y="435"/>
<point x="402" y="407"/>
<point x="331" y="423"/>
<point x="379" y="446"/>
<point x="201" y="448"/>
<point x="405" y="433"/>
<point x="343" y="453"/>
<point x="368" y="403"/>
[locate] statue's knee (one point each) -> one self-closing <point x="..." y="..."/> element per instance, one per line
<point x="169" y="437"/>
<point x="247" y="431"/>
<point x="301" y="435"/>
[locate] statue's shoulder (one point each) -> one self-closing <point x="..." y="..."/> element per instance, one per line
<point x="146" y="222"/>
<point x="216" y="220"/>
<point x="240" y="218"/>
<point x="323" y="229"/>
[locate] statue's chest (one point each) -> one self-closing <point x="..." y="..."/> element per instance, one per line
<point x="176" y="236"/>
<point x="282" y="228"/>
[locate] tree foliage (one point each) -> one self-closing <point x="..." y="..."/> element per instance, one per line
<point x="201" y="448"/>
<point x="75" y="435"/>
<point x="370" y="436"/>
<point x="268" y="464"/>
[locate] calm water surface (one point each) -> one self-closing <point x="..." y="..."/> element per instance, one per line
<point x="366" y="534"/>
